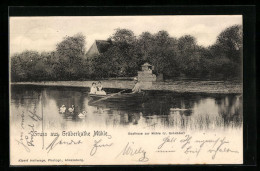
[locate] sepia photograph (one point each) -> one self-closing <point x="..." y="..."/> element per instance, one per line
<point x="126" y="90"/>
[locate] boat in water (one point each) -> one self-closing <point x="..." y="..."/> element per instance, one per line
<point x="118" y="97"/>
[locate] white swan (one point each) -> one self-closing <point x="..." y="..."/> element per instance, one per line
<point x="69" y="117"/>
<point x="82" y="115"/>
<point x="71" y="109"/>
<point x="62" y="109"/>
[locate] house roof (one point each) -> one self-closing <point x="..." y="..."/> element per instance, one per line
<point x="103" y="45"/>
<point x="98" y="47"/>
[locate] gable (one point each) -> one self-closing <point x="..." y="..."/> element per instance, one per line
<point x="93" y="50"/>
<point x="98" y="47"/>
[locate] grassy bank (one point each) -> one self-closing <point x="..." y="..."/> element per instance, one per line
<point x="177" y="86"/>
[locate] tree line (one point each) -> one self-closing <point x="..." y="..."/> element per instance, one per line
<point x="172" y="57"/>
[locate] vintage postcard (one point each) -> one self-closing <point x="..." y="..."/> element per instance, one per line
<point x="126" y="90"/>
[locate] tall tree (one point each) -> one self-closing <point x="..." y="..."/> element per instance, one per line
<point x="124" y="52"/>
<point x="71" y="52"/>
<point x="123" y="36"/>
<point x="188" y="56"/>
<point x="227" y="52"/>
<point x="145" y="43"/>
<point x="231" y="43"/>
<point x="163" y="53"/>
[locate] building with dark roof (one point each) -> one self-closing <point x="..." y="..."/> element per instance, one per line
<point x="99" y="47"/>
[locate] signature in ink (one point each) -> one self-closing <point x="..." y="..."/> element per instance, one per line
<point x="166" y="140"/>
<point x="97" y="144"/>
<point x="129" y="150"/>
<point x="220" y="148"/>
<point x="31" y="133"/>
<point x="185" y="141"/>
<point x="54" y="143"/>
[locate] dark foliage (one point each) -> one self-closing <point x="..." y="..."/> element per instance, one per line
<point x="170" y="56"/>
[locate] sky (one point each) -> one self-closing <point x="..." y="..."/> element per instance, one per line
<point x="43" y="33"/>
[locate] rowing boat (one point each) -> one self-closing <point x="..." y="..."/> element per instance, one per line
<point x="119" y="97"/>
<point x="97" y="96"/>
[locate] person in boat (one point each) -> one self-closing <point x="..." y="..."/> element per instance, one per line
<point x="137" y="87"/>
<point x="100" y="89"/>
<point x="93" y="89"/>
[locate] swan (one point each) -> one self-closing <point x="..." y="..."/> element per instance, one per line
<point x="62" y="109"/>
<point x="69" y="117"/>
<point x="71" y="109"/>
<point x="82" y="115"/>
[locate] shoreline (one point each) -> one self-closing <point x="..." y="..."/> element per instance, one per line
<point x="223" y="87"/>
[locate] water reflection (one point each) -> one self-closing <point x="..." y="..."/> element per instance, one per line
<point x="158" y="109"/>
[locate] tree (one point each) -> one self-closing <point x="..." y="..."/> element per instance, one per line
<point x="104" y="65"/>
<point x="227" y="52"/>
<point x="123" y="36"/>
<point x="70" y="53"/>
<point x="163" y="54"/>
<point x="188" y="55"/>
<point x="22" y="65"/>
<point x="17" y="71"/>
<point x="145" y="43"/>
<point x="159" y="50"/>
<point x="230" y="40"/>
<point x="124" y="52"/>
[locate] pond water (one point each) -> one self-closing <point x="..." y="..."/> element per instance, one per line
<point x="158" y="109"/>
